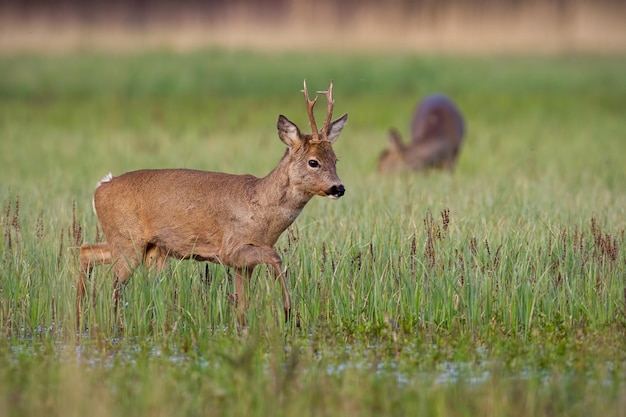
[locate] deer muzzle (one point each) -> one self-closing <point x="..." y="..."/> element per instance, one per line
<point x="336" y="191"/>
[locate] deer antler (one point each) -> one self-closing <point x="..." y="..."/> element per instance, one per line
<point x="329" y="114"/>
<point x="309" y="109"/>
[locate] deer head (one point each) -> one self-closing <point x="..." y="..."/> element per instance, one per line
<point x="312" y="161"/>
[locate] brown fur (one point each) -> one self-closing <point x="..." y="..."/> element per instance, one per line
<point x="235" y="220"/>
<point x="437" y="131"/>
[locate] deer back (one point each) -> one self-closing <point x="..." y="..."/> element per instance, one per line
<point x="437" y="117"/>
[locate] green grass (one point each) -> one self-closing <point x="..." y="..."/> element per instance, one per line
<point x="496" y="290"/>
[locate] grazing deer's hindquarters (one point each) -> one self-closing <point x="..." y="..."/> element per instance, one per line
<point x="235" y="220"/>
<point x="437" y="131"/>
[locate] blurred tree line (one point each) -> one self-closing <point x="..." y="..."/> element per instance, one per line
<point x="145" y="12"/>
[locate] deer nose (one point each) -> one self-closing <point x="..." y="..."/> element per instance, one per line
<point x="337" y="190"/>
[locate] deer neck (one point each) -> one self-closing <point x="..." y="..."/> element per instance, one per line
<point x="279" y="190"/>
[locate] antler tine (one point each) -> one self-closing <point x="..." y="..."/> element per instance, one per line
<point x="329" y="114"/>
<point x="309" y="109"/>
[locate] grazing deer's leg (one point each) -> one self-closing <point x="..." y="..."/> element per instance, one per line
<point x="452" y="158"/>
<point x="250" y="256"/>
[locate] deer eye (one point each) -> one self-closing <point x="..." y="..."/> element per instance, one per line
<point x="313" y="163"/>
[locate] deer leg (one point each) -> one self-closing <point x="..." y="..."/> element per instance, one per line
<point x="249" y="256"/>
<point x="451" y="161"/>
<point x="83" y="273"/>
<point x="286" y="296"/>
<point x="121" y="276"/>
<point x="90" y="256"/>
<point x="241" y="299"/>
<point x="155" y="258"/>
<point x="126" y="262"/>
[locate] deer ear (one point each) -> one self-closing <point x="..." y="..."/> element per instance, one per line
<point x="336" y="127"/>
<point x="288" y="132"/>
<point x="394" y="143"/>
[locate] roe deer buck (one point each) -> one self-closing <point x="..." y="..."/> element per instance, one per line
<point x="437" y="131"/>
<point x="235" y="220"/>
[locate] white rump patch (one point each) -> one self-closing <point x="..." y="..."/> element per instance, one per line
<point x="108" y="177"/>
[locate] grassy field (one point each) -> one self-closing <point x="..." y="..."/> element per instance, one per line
<point x="496" y="290"/>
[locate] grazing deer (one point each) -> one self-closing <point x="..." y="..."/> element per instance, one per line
<point x="234" y="220"/>
<point x="437" y="129"/>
